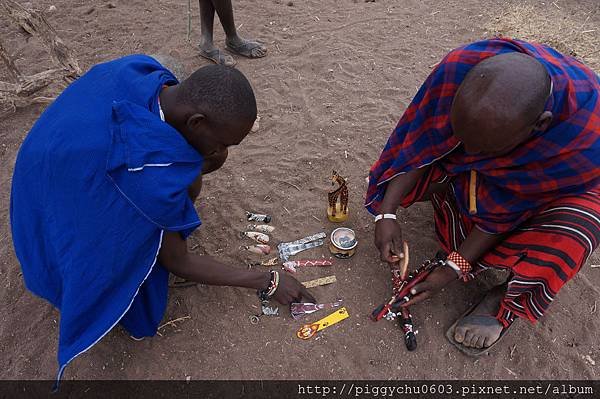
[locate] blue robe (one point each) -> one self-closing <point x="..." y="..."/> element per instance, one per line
<point x="97" y="181"/>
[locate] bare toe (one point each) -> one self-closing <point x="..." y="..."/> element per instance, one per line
<point x="259" y="51"/>
<point x="468" y="338"/>
<point x="480" y="341"/>
<point x="459" y="334"/>
<point x="474" y="339"/>
<point x="487" y="342"/>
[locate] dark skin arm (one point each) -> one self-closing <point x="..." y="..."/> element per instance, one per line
<point x="388" y="234"/>
<point x="176" y="258"/>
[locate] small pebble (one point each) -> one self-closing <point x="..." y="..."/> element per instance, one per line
<point x="52" y="8"/>
<point x="589" y="359"/>
<point x="290" y="3"/>
<point x="256" y="126"/>
<point x="111" y="5"/>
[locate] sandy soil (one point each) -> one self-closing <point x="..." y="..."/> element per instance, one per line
<point x="337" y="78"/>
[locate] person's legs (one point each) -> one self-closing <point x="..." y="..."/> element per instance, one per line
<point x="148" y="307"/>
<point x="543" y="254"/>
<point x="207" y="19"/>
<point x="207" y="48"/>
<point x="224" y="10"/>
<point x="237" y="44"/>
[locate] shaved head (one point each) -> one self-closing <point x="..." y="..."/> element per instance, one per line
<point x="500" y="102"/>
<point x="214" y="108"/>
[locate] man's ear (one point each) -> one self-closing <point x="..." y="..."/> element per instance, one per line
<point x="543" y="121"/>
<point x="196" y="121"/>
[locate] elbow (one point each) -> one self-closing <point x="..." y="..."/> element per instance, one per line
<point x="176" y="263"/>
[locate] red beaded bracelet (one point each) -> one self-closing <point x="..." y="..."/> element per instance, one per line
<point x="461" y="263"/>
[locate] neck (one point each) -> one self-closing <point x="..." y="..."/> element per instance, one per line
<point x="168" y="103"/>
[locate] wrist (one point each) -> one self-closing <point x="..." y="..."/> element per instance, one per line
<point x="447" y="275"/>
<point x="384" y="208"/>
<point x="259" y="280"/>
<point x="383" y="216"/>
<point x="267" y="292"/>
<point x="454" y="267"/>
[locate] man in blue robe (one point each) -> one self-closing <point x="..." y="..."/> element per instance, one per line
<point x="103" y="195"/>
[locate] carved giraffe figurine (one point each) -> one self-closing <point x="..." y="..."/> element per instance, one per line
<point x="338" y="196"/>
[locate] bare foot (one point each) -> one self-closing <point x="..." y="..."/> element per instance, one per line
<point x="481" y="329"/>
<point x="247" y="48"/>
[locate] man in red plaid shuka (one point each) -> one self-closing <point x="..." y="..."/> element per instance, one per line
<point x="504" y="139"/>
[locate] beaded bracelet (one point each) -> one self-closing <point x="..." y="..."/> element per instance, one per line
<point x="385" y="216"/>
<point x="460" y="265"/>
<point x="267" y="293"/>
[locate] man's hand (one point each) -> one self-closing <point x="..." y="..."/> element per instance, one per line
<point x="388" y="239"/>
<point x="473" y="247"/>
<point x="388" y="235"/>
<point x="437" y="279"/>
<point x="291" y="290"/>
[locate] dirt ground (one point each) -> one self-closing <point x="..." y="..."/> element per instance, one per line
<point x="337" y="78"/>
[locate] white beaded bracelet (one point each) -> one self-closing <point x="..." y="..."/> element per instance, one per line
<point x="385" y="216"/>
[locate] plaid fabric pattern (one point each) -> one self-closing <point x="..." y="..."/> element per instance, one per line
<point x="563" y="160"/>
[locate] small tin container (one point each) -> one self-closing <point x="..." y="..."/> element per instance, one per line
<point x="342" y="242"/>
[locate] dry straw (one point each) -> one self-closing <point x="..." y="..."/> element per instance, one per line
<point x="570" y="29"/>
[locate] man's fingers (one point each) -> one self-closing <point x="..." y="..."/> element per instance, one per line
<point x="419" y="292"/>
<point x="418" y="288"/>
<point x="384" y="252"/>
<point x="390" y="255"/>
<point x="397" y="250"/>
<point x="282" y="301"/>
<point x="396" y="258"/>
<point x="418" y="298"/>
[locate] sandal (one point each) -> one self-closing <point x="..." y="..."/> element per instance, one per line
<point x="473" y="352"/>
<point x="218" y="57"/>
<point x="177" y="282"/>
